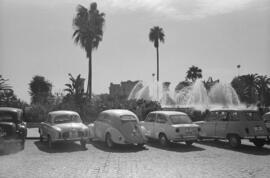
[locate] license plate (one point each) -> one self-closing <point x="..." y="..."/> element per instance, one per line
<point x="73" y="134"/>
<point x="188" y="131"/>
<point x="256" y="129"/>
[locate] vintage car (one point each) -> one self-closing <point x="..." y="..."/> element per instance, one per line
<point x="117" y="126"/>
<point x="234" y="125"/>
<point x="170" y="126"/>
<point x="266" y="118"/>
<point x="64" y="126"/>
<point x="12" y="128"/>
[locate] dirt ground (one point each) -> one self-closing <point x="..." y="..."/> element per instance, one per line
<point x="203" y="159"/>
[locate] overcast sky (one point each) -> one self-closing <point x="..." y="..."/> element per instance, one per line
<point x="215" y="35"/>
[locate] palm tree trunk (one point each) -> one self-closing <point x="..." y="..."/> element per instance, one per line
<point x="157" y="65"/>
<point x="89" y="85"/>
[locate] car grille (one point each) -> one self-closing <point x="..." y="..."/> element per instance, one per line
<point x="80" y="134"/>
<point x="65" y="135"/>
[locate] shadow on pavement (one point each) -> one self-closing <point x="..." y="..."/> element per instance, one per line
<point x="11" y="149"/>
<point x="176" y="147"/>
<point x="248" y="149"/>
<point x="117" y="148"/>
<point x="59" y="147"/>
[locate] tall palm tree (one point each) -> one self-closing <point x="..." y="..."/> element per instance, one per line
<point x="88" y="25"/>
<point x="157" y="34"/>
<point x="193" y="73"/>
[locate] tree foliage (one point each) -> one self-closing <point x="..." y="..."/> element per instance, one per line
<point x="252" y="88"/>
<point x="40" y="90"/>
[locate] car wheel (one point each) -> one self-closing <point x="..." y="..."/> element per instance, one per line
<point x="41" y="138"/>
<point x="163" y="140"/>
<point x="141" y="145"/>
<point x="259" y="143"/>
<point x="22" y="144"/>
<point x="83" y="144"/>
<point x="108" y="140"/>
<point x="49" y="142"/>
<point x="189" y="143"/>
<point x="234" y="141"/>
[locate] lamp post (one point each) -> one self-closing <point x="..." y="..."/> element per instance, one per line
<point x="238" y="67"/>
<point x="153" y="75"/>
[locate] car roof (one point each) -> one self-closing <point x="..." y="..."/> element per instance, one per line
<point x="61" y="112"/>
<point x="169" y="112"/>
<point x="118" y="112"/>
<point x="232" y="109"/>
<point x="10" y="109"/>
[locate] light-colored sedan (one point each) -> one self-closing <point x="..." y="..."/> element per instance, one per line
<point x="117" y="126"/>
<point x="170" y="126"/>
<point x="63" y="126"/>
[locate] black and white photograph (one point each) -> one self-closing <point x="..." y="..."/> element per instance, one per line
<point x="134" y="88"/>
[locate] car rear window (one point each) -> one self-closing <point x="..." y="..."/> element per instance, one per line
<point x="8" y="117"/>
<point x="66" y="119"/>
<point x="128" y="118"/>
<point x="180" y="119"/>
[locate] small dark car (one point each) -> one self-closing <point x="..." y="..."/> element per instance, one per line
<point x="12" y="128"/>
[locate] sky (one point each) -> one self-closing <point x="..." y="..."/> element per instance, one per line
<point x="215" y="35"/>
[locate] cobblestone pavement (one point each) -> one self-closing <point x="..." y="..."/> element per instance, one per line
<point x="203" y="159"/>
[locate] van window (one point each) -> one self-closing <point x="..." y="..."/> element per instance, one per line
<point x="150" y="118"/>
<point x="252" y="116"/>
<point x="233" y="116"/>
<point x="223" y="116"/>
<point x="161" y="119"/>
<point x="212" y="116"/>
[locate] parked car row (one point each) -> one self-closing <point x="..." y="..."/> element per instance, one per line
<point x="118" y="126"/>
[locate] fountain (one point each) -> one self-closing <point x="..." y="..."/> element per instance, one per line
<point x="193" y="96"/>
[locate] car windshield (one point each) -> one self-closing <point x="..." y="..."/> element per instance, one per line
<point x="180" y="119"/>
<point x="66" y="118"/>
<point x="252" y="116"/>
<point x="128" y="118"/>
<point x="8" y="117"/>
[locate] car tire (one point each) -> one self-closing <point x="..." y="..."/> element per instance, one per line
<point x="189" y="143"/>
<point x="83" y="144"/>
<point x="49" y="142"/>
<point x="163" y="140"/>
<point x="41" y="138"/>
<point x="22" y="144"/>
<point x="259" y="143"/>
<point x="140" y="145"/>
<point x="108" y="140"/>
<point x="234" y="141"/>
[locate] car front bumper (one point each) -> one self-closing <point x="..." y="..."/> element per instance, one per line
<point x="71" y="139"/>
<point x="184" y="138"/>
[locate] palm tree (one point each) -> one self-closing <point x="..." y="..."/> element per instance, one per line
<point x="250" y="87"/>
<point x="157" y="34"/>
<point x="193" y="73"/>
<point x="88" y="24"/>
<point x="263" y="85"/>
<point x="3" y="85"/>
<point x="76" y="86"/>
